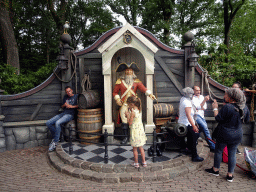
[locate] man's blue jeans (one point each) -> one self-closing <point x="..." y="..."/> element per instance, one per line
<point x="231" y="155"/>
<point x="203" y="128"/>
<point x="54" y="124"/>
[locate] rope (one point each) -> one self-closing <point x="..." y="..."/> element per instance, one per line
<point x="210" y="92"/>
<point x="88" y="85"/>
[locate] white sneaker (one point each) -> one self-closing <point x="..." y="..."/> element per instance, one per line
<point x="52" y="146"/>
<point x="51" y="142"/>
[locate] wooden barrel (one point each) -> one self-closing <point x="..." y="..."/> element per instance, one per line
<point x="88" y="99"/>
<point x="163" y="110"/>
<point x="89" y="121"/>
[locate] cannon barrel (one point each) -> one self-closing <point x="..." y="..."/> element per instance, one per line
<point x="178" y="128"/>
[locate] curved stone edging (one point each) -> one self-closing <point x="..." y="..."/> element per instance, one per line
<point x="115" y="173"/>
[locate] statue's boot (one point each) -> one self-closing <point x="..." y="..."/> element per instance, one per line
<point x="125" y="132"/>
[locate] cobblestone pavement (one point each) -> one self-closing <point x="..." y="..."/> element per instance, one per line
<point x="29" y="170"/>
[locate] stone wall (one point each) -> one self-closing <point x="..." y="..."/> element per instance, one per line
<point x="20" y="135"/>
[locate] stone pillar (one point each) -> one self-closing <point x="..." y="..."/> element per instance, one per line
<point x="109" y="124"/>
<point x="149" y="126"/>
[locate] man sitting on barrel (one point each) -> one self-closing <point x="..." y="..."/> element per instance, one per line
<point x="127" y="85"/>
<point x="69" y="105"/>
<point x="199" y="101"/>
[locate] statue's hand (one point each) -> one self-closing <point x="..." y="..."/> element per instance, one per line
<point x="119" y="102"/>
<point x="152" y="96"/>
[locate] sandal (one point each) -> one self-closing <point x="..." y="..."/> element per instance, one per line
<point x="144" y="164"/>
<point x="136" y="165"/>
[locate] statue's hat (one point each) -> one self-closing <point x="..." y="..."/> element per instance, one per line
<point x="122" y="66"/>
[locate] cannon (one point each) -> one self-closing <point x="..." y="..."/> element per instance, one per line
<point x="173" y="136"/>
<point x="178" y="128"/>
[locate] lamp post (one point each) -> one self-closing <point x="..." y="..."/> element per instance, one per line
<point x="192" y="62"/>
<point x="62" y="60"/>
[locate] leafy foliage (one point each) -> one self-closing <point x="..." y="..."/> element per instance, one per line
<point x="243" y="29"/>
<point x="88" y="21"/>
<point x="240" y="67"/>
<point x="12" y="83"/>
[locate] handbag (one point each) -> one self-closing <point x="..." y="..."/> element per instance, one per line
<point x="215" y="132"/>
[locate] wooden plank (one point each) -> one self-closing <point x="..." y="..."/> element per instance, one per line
<point x="92" y="62"/>
<point x="16" y="110"/>
<point x="30" y="102"/>
<point x="169" y="94"/>
<point x="177" y="66"/>
<point x="158" y="68"/>
<point x="15" y="118"/>
<point x="174" y="61"/>
<point x="92" y="68"/>
<point x="48" y="92"/>
<point x="41" y="97"/>
<point x="35" y="113"/>
<point x="168" y="99"/>
<point x="161" y="76"/>
<point x="169" y="73"/>
<point x="164" y="84"/>
<point x="50" y="108"/>
<point x="162" y="53"/>
<point x="52" y="87"/>
<point x="198" y="78"/>
<point x="43" y="116"/>
<point x="92" y="55"/>
<point x="171" y="91"/>
<point x="24" y="123"/>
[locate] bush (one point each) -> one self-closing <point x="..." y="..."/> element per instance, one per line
<point x="12" y="83"/>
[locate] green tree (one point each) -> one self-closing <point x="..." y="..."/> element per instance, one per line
<point x="243" y="28"/>
<point x="201" y="17"/>
<point x="129" y="9"/>
<point x="156" y="17"/>
<point x="36" y="34"/>
<point x="240" y="67"/>
<point x="231" y="7"/>
<point x="88" y="21"/>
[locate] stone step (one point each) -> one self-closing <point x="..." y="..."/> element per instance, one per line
<point x="116" y="173"/>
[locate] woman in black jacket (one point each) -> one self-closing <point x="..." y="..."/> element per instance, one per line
<point x="230" y="132"/>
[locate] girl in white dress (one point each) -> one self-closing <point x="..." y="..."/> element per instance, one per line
<point x="137" y="135"/>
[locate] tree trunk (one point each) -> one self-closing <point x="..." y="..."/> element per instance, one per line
<point x="230" y="12"/>
<point x="9" y="44"/>
<point x="227" y="22"/>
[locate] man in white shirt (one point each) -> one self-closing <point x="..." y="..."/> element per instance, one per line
<point x="186" y="113"/>
<point x="199" y="101"/>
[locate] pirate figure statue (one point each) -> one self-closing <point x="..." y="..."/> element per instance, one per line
<point x="127" y="84"/>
